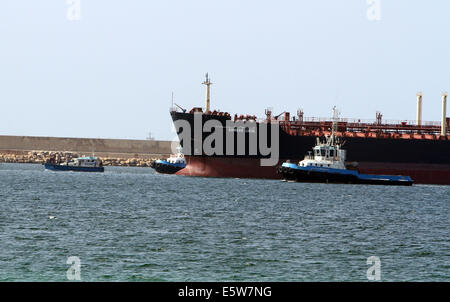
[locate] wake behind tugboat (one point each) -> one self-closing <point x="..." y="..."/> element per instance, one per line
<point x="327" y="165"/>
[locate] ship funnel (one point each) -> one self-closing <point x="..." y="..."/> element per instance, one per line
<point x="419" y="109"/>
<point x="444" y="114"/>
<point x="208" y="83"/>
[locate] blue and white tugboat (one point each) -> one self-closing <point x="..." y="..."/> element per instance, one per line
<point x="80" y="164"/>
<point x="171" y="165"/>
<point x="326" y="164"/>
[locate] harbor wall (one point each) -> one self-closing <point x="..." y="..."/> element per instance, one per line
<point x="134" y="148"/>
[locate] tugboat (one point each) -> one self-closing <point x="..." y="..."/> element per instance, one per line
<point x="326" y="164"/>
<point x="171" y="165"/>
<point x="81" y="164"/>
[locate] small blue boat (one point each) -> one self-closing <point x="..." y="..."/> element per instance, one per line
<point x="171" y="165"/>
<point x="81" y="164"/>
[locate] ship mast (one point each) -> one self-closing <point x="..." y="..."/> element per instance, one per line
<point x="334" y="126"/>
<point x="208" y="83"/>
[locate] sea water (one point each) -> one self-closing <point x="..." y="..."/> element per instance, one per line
<point x="131" y="224"/>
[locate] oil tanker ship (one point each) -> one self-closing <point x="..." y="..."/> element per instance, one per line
<point x="418" y="149"/>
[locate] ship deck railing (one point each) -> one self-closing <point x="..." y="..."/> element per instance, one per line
<point x="353" y="125"/>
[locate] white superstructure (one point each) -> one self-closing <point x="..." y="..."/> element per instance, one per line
<point x="88" y="161"/>
<point x="178" y="158"/>
<point x="328" y="153"/>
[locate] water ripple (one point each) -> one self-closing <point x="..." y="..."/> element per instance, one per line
<point x="129" y="224"/>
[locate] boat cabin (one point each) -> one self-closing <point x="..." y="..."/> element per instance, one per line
<point x="89" y="161"/>
<point x="178" y="158"/>
<point x="325" y="155"/>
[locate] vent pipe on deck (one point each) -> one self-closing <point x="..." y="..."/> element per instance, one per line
<point x="444" y="114"/>
<point x="419" y="109"/>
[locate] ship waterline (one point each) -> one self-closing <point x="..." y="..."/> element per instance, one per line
<point x="250" y="168"/>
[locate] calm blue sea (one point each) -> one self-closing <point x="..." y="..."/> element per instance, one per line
<point x="130" y="224"/>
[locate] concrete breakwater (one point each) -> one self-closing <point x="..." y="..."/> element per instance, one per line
<point x="113" y="152"/>
<point x="86" y="145"/>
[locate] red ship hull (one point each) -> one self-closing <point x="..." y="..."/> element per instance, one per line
<point x="251" y="168"/>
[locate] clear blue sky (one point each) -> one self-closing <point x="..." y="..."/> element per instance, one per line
<point x="111" y="73"/>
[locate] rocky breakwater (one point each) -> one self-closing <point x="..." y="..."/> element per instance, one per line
<point x="40" y="157"/>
